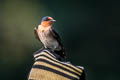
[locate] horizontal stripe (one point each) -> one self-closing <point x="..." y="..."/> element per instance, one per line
<point x="41" y="74"/>
<point x="63" y="63"/>
<point x="46" y="51"/>
<point x="37" y="55"/>
<point x="56" y="68"/>
<point x="59" y="64"/>
<point x="48" y="62"/>
<point x="55" y="71"/>
<point x="80" y="67"/>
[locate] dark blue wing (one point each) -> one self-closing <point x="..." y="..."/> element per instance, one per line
<point x="57" y="37"/>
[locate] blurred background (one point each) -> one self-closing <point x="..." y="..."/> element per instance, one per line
<point x="90" y="31"/>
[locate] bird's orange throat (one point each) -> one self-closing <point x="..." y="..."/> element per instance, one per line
<point x="46" y="23"/>
<point x="44" y="26"/>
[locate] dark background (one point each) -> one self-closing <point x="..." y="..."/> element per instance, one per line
<point x="90" y="31"/>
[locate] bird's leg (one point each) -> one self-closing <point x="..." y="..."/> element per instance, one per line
<point x="49" y="50"/>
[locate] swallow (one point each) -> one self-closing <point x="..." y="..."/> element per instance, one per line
<point x="50" y="39"/>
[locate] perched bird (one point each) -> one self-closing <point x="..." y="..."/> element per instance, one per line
<point x="48" y="36"/>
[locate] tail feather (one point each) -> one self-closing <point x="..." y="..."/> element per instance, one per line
<point x="61" y="53"/>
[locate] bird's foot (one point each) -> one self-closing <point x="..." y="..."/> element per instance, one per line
<point x="48" y="49"/>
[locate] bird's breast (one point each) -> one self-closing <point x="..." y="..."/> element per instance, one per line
<point x="47" y="39"/>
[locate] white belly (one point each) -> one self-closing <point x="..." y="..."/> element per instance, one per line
<point x="48" y="40"/>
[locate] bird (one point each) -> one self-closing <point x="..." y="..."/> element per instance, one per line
<point x="50" y="39"/>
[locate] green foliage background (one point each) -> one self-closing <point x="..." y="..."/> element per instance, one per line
<point x="90" y="31"/>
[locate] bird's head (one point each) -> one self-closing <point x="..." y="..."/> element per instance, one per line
<point x="47" y="21"/>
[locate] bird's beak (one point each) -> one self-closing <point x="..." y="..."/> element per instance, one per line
<point x="53" y="20"/>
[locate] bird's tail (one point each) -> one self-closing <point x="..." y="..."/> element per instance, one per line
<point x="61" y="53"/>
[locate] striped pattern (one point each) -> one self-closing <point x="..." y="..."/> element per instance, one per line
<point x="48" y="67"/>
